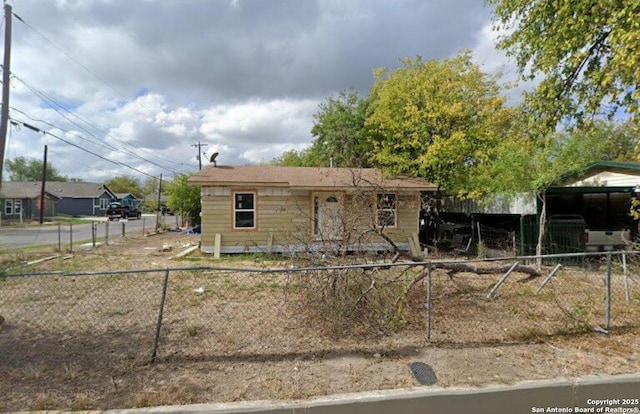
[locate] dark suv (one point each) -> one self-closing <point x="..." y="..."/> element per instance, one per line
<point x="118" y="210"/>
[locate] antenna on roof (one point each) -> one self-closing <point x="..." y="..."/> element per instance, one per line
<point x="213" y="159"/>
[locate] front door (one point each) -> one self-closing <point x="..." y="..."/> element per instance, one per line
<point x="327" y="223"/>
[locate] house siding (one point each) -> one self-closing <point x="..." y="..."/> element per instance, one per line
<point x="287" y="215"/>
<point x="76" y="206"/>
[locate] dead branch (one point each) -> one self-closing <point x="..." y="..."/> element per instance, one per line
<point x="453" y="268"/>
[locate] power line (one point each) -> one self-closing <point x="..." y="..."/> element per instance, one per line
<point x="36" y="129"/>
<point x="53" y="104"/>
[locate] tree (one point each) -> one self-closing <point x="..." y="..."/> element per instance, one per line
<point x="587" y="53"/>
<point x="436" y="119"/>
<point x="125" y="184"/>
<point x="341" y="137"/>
<point x="521" y="165"/>
<point x="293" y="158"/>
<point x="30" y="169"/>
<point x="184" y="197"/>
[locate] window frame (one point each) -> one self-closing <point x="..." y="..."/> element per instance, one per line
<point x="17" y="207"/>
<point x="380" y="209"/>
<point x="8" y="207"/>
<point x="103" y="203"/>
<point x="235" y="210"/>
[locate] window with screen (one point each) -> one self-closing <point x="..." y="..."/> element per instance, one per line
<point x="386" y="210"/>
<point x="244" y="210"/>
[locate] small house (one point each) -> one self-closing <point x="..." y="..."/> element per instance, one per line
<point x="128" y="199"/>
<point x="21" y="201"/>
<point x="293" y="209"/>
<point x="80" y="198"/>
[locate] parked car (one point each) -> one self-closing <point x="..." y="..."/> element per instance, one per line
<point x="164" y="210"/>
<point x="118" y="210"/>
<point x="451" y="224"/>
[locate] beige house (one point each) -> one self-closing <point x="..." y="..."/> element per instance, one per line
<point x="295" y="209"/>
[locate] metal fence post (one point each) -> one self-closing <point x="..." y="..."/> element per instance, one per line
<point x="160" y="314"/>
<point x="608" y="300"/>
<point x="123" y="228"/>
<point x="106" y="232"/>
<point x="143" y="224"/>
<point x="71" y="237"/>
<point x="59" y="238"/>
<point x="93" y="233"/>
<point x="428" y="304"/>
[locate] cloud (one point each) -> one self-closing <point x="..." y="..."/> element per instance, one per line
<point x="244" y="77"/>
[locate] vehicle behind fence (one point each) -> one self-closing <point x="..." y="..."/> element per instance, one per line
<point x="116" y="319"/>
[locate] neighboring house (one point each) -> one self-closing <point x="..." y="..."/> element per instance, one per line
<point x="289" y="209"/>
<point x="601" y="193"/>
<point x="81" y="199"/>
<point x="21" y="201"/>
<point x="128" y="199"/>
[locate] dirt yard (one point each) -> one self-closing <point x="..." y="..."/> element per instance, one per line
<point x="45" y="368"/>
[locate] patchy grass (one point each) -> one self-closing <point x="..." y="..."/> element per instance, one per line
<point x="85" y="342"/>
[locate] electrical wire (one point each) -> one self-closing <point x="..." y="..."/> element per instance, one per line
<point x="36" y="129"/>
<point x="56" y="106"/>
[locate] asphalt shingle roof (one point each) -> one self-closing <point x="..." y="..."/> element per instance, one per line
<point x="59" y="189"/>
<point x="304" y="178"/>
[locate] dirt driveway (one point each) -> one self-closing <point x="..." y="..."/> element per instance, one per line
<point x="60" y="373"/>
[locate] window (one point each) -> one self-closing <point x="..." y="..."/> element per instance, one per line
<point x="386" y="210"/>
<point x="17" y="207"/>
<point x="104" y="203"/>
<point x="244" y="211"/>
<point x="8" y="207"/>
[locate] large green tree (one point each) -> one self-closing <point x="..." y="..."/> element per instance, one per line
<point x="585" y="52"/>
<point x="341" y="137"/>
<point x="437" y="119"/>
<point x="184" y="197"/>
<point x="519" y="166"/>
<point x="125" y="184"/>
<point x="30" y="169"/>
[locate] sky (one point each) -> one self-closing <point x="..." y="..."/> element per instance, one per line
<point x="127" y="87"/>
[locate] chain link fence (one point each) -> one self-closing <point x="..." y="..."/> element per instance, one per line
<point x="121" y="318"/>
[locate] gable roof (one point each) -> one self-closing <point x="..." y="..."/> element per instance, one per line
<point x="65" y="189"/>
<point x="125" y="195"/>
<point x="604" y="173"/>
<point x="305" y="178"/>
<point x="23" y="189"/>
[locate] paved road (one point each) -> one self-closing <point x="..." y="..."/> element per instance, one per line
<point x="14" y="238"/>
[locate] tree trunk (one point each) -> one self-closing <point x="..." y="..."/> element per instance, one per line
<point x="541" y="227"/>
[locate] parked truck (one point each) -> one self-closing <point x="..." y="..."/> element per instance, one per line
<point x="603" y="240"/>
<point x="118" y="210"/>
<point x="570" y="233"/>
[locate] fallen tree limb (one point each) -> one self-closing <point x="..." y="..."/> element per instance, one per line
<point x="453" y="268"/>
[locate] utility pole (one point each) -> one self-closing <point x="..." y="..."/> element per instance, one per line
<point x="6" y="73"/>
<point x="44" y="180"/>
<point x="199" y="145"/>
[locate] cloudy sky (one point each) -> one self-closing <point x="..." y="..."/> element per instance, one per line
<point x="139" y="82"/>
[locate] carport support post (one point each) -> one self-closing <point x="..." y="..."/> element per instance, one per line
<point x="156" y="340"/>
<point x="428" y="304"/>
<point x="608" y="304"/>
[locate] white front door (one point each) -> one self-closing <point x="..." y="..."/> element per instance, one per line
<point x="328" y="223"/>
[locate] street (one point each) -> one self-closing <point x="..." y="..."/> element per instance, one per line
<point x="52" y="234"/>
